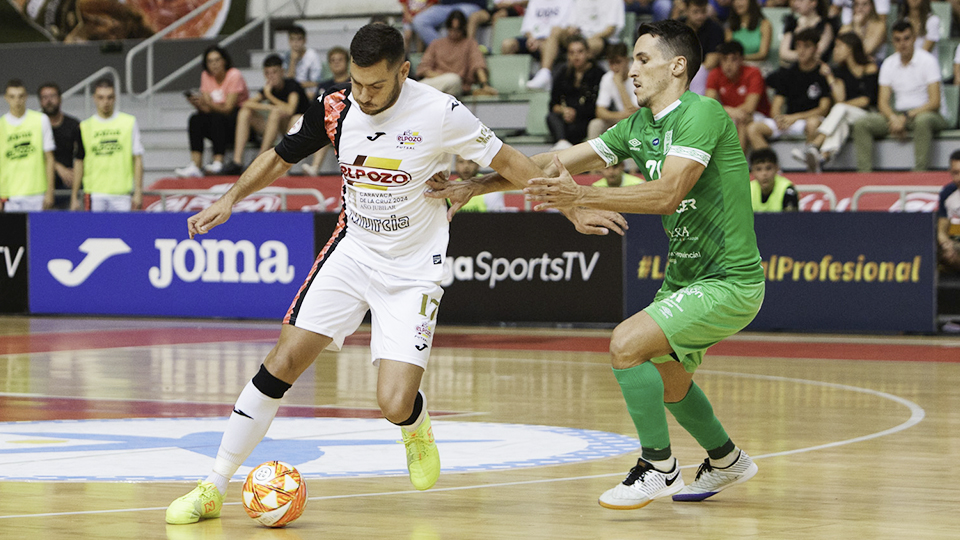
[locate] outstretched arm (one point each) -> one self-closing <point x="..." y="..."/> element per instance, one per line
<point x="262" y="172"/>
<point x="659" y="197"/>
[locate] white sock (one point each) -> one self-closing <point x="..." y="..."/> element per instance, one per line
<point x="423" y="414"/>
<point x="666" y="465"/>
<point x="726" y="460"/>
<point x="243" y="434"/>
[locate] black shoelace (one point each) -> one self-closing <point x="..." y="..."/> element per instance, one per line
<point x="637" y="472"/>
<point x="704" y="468"/>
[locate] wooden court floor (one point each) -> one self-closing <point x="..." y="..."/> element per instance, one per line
<point x="855" y="437"/>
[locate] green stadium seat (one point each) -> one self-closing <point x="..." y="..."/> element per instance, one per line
<point x="775" y="16"/>
<point x="951" y="93"/>
<point x="946" y="49"/>
<point x="509" y="73"/>
<point x="414" y="61"/>
<point x="537" y="109"/>
<point x="504" y="28"/>
<point x="943" y="10"/>
<point x="629" y="29"/>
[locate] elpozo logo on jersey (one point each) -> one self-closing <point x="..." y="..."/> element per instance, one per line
<point x="374" y="172"/>
<point x="144" y="264"/>
<point x="184" y="448"/>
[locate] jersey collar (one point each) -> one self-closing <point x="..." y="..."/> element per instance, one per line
<point x="659" y="116"/>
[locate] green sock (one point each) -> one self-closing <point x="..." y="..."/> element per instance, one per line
<point x="642" y="389"/>
<point x="695" y="414"/>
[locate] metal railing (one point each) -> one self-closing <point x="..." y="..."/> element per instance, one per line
<point x="148" y="46"/>
<point x="283" y="193"/>
<point x="820" y="188"/>
<point x="85" y="86"/>
<point x="902" y="190"/>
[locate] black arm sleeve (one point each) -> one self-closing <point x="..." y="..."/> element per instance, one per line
<point x="307" y="136"/>
<point x="79" y="152"/>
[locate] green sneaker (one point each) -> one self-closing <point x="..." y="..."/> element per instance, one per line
<point x="423" y="459"/>
<point x="205" y="501"/>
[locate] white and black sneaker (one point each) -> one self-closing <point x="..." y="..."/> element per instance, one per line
<point x="643" y="484"/>
<point x="712" y="480"/>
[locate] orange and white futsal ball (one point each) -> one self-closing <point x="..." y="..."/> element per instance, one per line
<point x="274" y="494"/>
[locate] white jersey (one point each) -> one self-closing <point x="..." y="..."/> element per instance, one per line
<point x="386" y="159"/>
<point x="542" y="16"/>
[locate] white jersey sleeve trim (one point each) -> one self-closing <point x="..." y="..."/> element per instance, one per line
<point x="699" y="156"/>
<point x="604" y="151"/>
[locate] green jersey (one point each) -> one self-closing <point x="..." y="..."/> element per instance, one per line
<point x="711" y="233"/>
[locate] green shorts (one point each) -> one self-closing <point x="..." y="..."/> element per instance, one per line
<point x="701" y="315"/>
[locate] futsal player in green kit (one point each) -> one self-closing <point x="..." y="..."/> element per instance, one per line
<point x="699" y="182"/>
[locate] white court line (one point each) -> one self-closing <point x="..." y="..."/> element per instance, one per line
<point x="916" y="416"/>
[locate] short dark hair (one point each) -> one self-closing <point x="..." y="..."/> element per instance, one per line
<point x="338" y="50"/>
<point x="698" y="3"/>
<point x="617" y="50"/>
<point x="955" y="155"/>
<point x="731" y="47"/>
<point x="375" y="42"/>
<point x="456" y="15"/>
<point x="807" y="35"/>
<point x="227" y="61"/>
<point x="14" y="83"/>
<point x="297" y="30"/>
<point x="272" y="60"/>
<point x="676" y="39"/>
<point x="53" y="85"/>
<point x="103" y="82"/>
<point x="764" y="155"/>
<point x="577" y="38"/>
<point x="901" y="25"/>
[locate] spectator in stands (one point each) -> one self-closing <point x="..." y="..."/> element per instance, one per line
<point x="268" y="112"/>
<point x="109" y="158"/>
<point x="410" y="9"/>
<point x="658" y="9"/>
<point x="426" y="23"/>
<point x="490" y="15"/>
<point x="805" y="14"/>
<point x="912" y="76"/>
<point x="596" y="21"/>
<point x="26" y="154"/>
<point x="573" y="100"/>
<point x="769" y="190"/>
<point x="615" y="98"/>
<point x="739" y="88"/>
<point x="870" y="27"/>
<point x="222" y="92"/>
<point x="338" y="59"/>
<point x="926" y="25"/>
<point x="750" y="28"/>
<point x="802" y="96"/>
<point x="853" y="85"/>
<point x="615" y="176"/>
<point x="452" y="64"/>
<point x="66" y="135"/>
<point x="302" y="63"/>
<point x="948" y="218"/>
<point x="846" y="9"/>
<point x="541" y="20"/>
<point x="711" y="36"/>
<point x="489" y="202"/>
<point x="720" y="10"/>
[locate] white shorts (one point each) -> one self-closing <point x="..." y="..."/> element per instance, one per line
<point x="24" y="203"/>
<point x="100" y="202"/>
<point x="796" y="128"/>
<point x="339" y="291"/>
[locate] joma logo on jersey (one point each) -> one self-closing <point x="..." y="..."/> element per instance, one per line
<point x="374" y="175"/>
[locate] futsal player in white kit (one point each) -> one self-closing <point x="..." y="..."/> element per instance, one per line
<point x="390" y="135"/>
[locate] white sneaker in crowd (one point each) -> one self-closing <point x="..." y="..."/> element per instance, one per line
<point x="215" y="167"/>
<point x="190" y="171"/>
<point x="541" y="81"/>
<point x="309" y="169"/>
